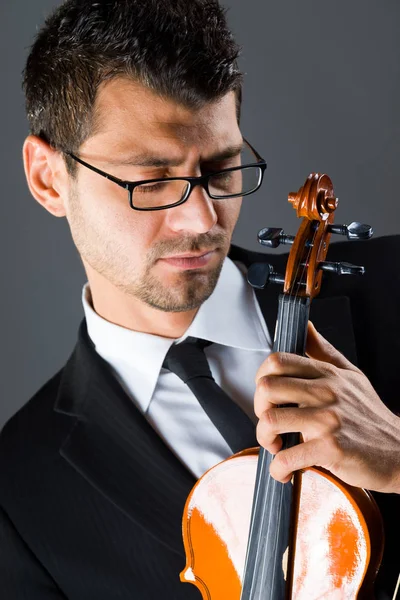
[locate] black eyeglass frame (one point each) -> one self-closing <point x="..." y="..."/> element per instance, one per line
<point x="193" y="181"/>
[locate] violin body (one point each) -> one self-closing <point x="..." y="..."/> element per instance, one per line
<point x="338" y="538"/>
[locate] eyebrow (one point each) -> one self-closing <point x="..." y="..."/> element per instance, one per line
<point x="149" y="160"/>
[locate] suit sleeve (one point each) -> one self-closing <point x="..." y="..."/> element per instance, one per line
<point x="22" y="576"/>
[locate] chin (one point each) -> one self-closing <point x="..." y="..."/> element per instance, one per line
<point x="186" y="291"/>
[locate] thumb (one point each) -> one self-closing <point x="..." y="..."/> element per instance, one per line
<point x="319" y="348"/>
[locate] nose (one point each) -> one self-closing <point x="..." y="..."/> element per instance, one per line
<point x="197" y="214"/>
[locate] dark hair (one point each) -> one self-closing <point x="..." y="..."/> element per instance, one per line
<point x="181" y="49"/>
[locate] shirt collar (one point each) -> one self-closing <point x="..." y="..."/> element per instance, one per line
<point x="230" y="316"/>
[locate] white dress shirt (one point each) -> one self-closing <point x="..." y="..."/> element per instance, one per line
<point x="231" y="318"/>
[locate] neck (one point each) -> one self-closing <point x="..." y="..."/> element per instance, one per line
<point x="117" y="307"/>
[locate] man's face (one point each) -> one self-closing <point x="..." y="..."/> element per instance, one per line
<point x="127" y="247"/>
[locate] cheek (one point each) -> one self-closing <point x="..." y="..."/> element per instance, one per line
<point x="132" y="230"/>
<point x="103" y="218"/>
<point x="228" y="212"/>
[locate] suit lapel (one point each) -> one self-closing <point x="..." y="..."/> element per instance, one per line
<point x="113" y="446"/>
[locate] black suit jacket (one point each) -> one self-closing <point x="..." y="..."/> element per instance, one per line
<point x="91" y="498"/>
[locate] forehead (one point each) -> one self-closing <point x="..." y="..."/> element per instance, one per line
<point x="128" y="114"/>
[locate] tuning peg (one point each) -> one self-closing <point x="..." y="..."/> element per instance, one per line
<point x="273" y="236"/>
<point x="260" y="274"/>
<point x="341" y="268"/>
<point x="355" y="231"/>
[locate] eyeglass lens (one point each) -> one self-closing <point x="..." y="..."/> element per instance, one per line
<point x="241" y="181"/>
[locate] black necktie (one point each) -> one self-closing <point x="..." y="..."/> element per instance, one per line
<point x="188" y="361"/>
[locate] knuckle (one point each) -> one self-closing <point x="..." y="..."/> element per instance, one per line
<point x="276" y="361"/>
<point x="331" y="419"/>
<point x="260" y="401"/>
<point x="262" y="384"/>
<point x="328" y="370"/>
<point x="258" y="406"/>
<point x="269" y="419"/>
<point x="334" y="448"/>
<point x="262" y="435"/>
<point x="328" y="393"/>
<point x="267" y="383"/>
<point x="265" y="387"/>
<point x="282" y="462"/>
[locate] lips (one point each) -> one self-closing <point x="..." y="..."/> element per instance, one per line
<point x="188" y="255"/>
<point x="190" y="261"/>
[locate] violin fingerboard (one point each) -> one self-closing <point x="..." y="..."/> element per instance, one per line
<point x="268" y="565"/>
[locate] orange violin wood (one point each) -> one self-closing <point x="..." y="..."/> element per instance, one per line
<point x="333" y="541"/>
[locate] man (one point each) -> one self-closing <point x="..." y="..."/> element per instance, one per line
<point x="96" y="468"/>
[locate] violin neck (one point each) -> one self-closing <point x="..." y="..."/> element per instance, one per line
<point x="291" y="336"/>
<point x="268" y="566"/>
<point x="291" y="324"/>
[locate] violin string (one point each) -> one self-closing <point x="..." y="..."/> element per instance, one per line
<point x="286" y="346"/>
<point x="397" y="588"/>
<point x="282" y="336"/>
<point x="264" y="511"/>
<point x="255" y="511"/>
<point x="262" y="477"/>
<point x="248" y="545"/>
<point x="278" y="489"/>
<point x="295" y="304"/>
<point x="266" y="508"/>
<point x="270" y="482"/>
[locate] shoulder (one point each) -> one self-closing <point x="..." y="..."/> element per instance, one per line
<point x="30" y="436"/>
<point x="34" y="409"/>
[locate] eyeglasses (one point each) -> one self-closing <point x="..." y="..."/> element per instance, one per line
<point x="167" y="192"/>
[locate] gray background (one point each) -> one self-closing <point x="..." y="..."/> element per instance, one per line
<point x="322" y="93"/>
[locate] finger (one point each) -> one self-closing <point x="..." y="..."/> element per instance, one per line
<point x="273" y="391"/>
<point x="290" y="365"/>
<point x="273" y="444"/>
<point x="310" y="422"/>
<point x="319" y="348"/>
<point x="315" y="452"/>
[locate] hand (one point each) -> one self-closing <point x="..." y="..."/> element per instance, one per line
<point x="346" y="428"/>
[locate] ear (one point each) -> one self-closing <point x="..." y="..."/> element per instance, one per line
<point x="46" y="174"/>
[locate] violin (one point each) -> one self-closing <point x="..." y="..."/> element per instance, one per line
<point x="249" y="537"/>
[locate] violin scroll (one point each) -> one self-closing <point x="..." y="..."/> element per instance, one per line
<point x="315" y="199"/>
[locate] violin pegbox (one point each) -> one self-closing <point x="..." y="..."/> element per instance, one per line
<point x="315" y="201"/>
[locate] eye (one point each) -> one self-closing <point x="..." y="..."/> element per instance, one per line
<point x="223" y="176"/>
<point x="150" y="187"/>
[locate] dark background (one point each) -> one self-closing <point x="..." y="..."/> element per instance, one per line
<point x="321" y="93"/>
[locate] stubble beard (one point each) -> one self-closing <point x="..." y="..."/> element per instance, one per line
<point x="191" y="287"/>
